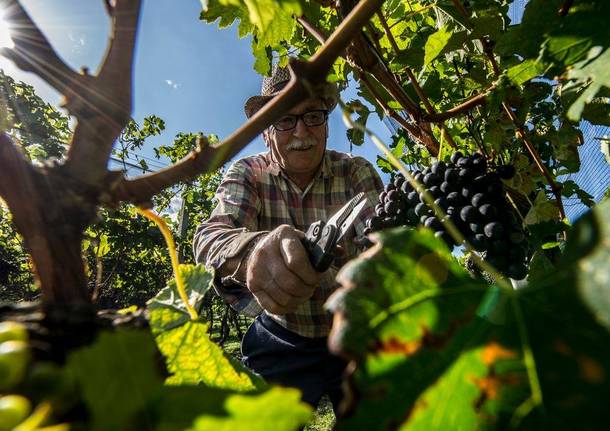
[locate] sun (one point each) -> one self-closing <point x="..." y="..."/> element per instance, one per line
<point x="5" y="37"/>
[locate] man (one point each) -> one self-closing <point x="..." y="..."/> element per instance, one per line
<point x="253" y="240"/>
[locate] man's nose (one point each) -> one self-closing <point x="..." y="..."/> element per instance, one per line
<point x="300" y="130"/>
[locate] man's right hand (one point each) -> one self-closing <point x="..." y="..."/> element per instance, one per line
<point x="279" y="272"/>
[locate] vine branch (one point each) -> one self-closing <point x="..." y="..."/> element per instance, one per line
<point x="305" y="77"/>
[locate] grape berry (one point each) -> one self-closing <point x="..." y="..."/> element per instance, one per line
<point x="472" y="196"/>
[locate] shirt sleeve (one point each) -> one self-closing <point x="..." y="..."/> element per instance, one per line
<point x="232" y="225"/>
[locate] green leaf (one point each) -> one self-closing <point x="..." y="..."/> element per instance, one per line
<point x="192" y="357"/>
<point x="593" y="73"/>
<point x="542" y="210"/>
<point x="116" y="374"/>
<point x="589" y="240"/>
<point x="278" y="409"/>
<point x="436" y="43"/>
<point x="167" y="309"/>
<point x="525" y="71"/>
<point x="425" y="358"/>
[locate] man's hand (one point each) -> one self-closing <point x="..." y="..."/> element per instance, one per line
<point x="279" y="273"/>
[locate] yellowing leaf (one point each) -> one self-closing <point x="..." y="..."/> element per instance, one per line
<point x="193" y="358"/>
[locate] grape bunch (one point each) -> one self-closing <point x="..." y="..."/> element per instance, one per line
<point x="472" y="196"/>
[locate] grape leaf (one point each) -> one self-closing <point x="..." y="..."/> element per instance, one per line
<point x="129" y="357"/>
<point x="407" y="315"/>
<point x="278" y="409"/>
<point x="192" y="357"/>
<point x="436" y="43"/>
<point x="172" y="311"/>
<point x="438" y="357"/>
<point x="542" y="210"/>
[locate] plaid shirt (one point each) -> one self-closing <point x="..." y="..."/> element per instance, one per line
<point x="255" y="197"/>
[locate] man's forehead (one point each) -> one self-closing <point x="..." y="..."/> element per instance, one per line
<point x="307" y="105"/>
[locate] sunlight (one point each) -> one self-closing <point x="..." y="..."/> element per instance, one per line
<point x="5" y="38"/>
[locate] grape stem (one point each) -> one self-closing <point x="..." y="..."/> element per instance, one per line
<point x="171" y="245"/>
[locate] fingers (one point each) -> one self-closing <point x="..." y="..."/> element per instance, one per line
<point x="297" y="260"/>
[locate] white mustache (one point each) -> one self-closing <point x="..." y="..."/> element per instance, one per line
<point x="300" y="144"/>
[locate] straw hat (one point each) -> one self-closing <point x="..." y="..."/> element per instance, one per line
<point x="274" y="84"/>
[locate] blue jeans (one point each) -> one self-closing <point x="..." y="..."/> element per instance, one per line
<point x="286" y="358"/>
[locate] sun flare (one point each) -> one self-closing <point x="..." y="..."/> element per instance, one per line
<point x="5" y="37"/>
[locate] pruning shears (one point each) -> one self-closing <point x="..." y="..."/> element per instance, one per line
<point x="322" y="237"/>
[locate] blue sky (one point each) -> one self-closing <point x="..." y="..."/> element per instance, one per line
<point x="193" y="75"/>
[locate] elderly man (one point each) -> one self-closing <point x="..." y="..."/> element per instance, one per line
<point x="253" y="241"/>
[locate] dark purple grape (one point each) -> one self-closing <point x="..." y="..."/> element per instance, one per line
<point x="476" y="228"/>
<point x="488" y="211"/>
<point x="447" y="187"/>
<point x="493" y="230"/>
<point x="398" y="181"/>
<point x="454" y="198"/>
<point x="433" y="223"/>
<point x="469" y="214"/>
<point x="419" y="177"/>
<point x="456" y="156"/>
<point x="367" y="231"/>
<point x="467" y="193"/>
<point x="413" y="198"/>
<point x="435" y="191"/>
<point x="442" y="202"/>
<point x="441" y="234"/>
<point x="464" y="162"/>
<point x="506" y="172"/>
<point x="390" y="208"/>
<point x="382" y="196"/>
<point x="479" y="165"/>
<point x="422" y="219"/>
<point x="451" y="175"/>
<point x="381" y="212"/>
<point x="389" y="186"/>
<point x="478" y="199"/>
<point x="422" y="209"/>
<point x="431" y="179"/>
<point x="438" y="168"/>
<point x="393" y="195"/>
<point x="406" y="187"/>
<point x="375" y="223"/>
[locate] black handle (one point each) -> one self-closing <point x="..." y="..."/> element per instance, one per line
<point x="320" y="244"/>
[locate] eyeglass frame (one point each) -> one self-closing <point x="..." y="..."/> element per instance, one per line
<point x="301" y="117"/>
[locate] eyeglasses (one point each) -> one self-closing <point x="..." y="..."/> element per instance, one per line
<point x="316" y="117"/>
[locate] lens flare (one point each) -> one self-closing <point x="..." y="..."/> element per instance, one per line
<point x="5" y="37"/>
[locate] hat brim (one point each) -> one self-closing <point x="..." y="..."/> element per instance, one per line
<point x="255" y="103"/>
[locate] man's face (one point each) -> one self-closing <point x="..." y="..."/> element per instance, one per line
<point x="299" y="151"/>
